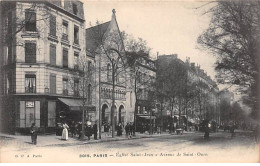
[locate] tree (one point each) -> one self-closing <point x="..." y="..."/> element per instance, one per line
<point x="172" y="83"/>
<point x="136" y="51"/>
<point x="82" y="84"/>
<point x="135" y="45"/>
<point x="142" y="80"/>
<point x="233" y="37"/>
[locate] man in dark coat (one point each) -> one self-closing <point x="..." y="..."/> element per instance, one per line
<point x="127" y="128"/>
<point x="106" y="129"/>
<point x="34" y="133"/>
<point x="88" y="131"/>
<point x="79" y="129"/>
<point x="94" y="129"/>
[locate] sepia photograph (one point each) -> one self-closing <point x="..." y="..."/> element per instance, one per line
<point x="136" y="81"/>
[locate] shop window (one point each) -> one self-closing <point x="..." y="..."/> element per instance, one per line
<point x="29" y="113"/>
<point x="51" y="113"/>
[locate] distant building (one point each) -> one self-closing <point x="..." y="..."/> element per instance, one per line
<point x="143" y="77"/>
<point x="199" y="98"/>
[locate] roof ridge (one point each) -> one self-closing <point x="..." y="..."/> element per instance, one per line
<point x="97" y="25"/>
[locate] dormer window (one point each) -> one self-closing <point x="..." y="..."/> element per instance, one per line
<point x="75" y="9"/>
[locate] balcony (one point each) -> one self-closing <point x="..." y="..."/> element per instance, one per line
<point x="30" y="89"/>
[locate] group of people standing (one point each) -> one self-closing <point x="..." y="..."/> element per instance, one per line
<point x="129" y="129"/>
<point x="76" y="130"/>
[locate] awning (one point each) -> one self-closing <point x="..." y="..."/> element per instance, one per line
<point x="146" y="116"/>
<point x="76" y="104"/>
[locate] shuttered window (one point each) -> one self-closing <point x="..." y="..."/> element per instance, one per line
<point x="52" y="25"/>
<point x="65" y="58"/>
<point x="52" y="84"/>
<point x="30" y="21"/>
<point x="30" y="52"/>
<point x="53" y="54"/>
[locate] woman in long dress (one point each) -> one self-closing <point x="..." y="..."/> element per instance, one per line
<point x="65" y="133"/>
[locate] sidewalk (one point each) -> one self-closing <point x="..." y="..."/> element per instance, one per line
<point x="53" y="140"/>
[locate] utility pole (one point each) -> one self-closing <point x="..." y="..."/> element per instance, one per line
<point x="113" y="98"/>
<point x="99" y="98"/>
<point x="83" y="109"/>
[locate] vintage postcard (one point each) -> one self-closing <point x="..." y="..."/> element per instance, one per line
<point x="139" y="81"/>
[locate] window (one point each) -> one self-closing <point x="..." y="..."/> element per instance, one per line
<point x="51" y="113"/>
<point x="52" y="25"/>
<point x="76" y="87"/>
<point x="65" y="30"/>
<point x="76" y="35"/>
<point x="65" y="86"/>
<point x="52" y="54"/>
<point x="89" y="94"/>
<point x="76" y="60"/>
<point x="30" y="83"/>
<point x="52" y="84"/>
<point x="74" y="8"/>
<point x="65" y="58"/>
<point x="30" y="52"/>
<point x="30" y="21"/>
<point x="109" y="76"/>
<point x="29" y="113"/>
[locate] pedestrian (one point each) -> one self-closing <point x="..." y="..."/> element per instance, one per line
<point x="127" y="127"/>
<point x="65" y="133"/>
<point x="106" y="129"/>
<point x="257" y="133"/>
<point x="132" y="126"/>
<point x="207" y="128"/>
<point x="79" y="129"/>
<point x="232" y="131"/>
<point x="88" y="130"/>
<point x="94" y="129"/>
<point x="34" y="133"/>
<point x="73" y="129"/>
<point x="119" y="129"/>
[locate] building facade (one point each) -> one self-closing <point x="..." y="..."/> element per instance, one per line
<point x="190" y="95"/>
<point x="40" y="63"/>
<point x="104" y="43"/>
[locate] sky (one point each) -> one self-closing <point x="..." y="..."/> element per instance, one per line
<point x="169" y="27"/>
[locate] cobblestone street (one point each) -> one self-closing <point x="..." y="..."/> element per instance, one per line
<point x="189" y="147"/>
